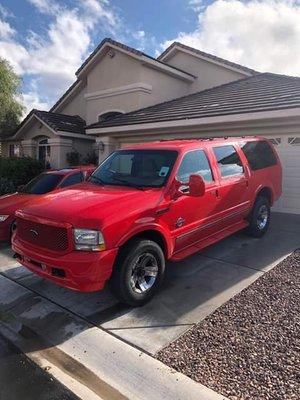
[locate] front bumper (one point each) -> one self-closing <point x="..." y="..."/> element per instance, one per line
<point x="81" y="271"/>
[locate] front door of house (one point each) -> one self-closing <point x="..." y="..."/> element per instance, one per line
<point x="44" y="153"/>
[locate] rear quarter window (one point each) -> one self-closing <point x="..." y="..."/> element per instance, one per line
<point x="259" y="154"/>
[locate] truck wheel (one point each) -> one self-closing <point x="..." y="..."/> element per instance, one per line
<point x="259" y="219"/>
<point x="138" y="272"/>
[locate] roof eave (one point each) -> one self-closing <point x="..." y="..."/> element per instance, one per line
<point x="145" y="60"/>
<point x="175" y="47"/>
<point x="175" y="125"/>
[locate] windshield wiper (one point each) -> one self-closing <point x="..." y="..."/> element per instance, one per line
<point x="128" y="183"/>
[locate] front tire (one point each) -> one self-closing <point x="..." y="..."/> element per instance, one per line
<point x="259" y="219"/>
<point x="138" y="272"/>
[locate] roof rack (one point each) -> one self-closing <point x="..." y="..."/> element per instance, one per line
<point x="209" y="138"/>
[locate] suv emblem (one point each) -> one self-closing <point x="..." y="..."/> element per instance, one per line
<point x="180" y="222"/>
<point x="35" y="233"/>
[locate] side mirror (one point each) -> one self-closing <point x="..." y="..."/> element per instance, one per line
<point x="196" y="186"/>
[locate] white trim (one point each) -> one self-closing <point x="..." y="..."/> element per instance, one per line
<point x="211" y="60"/>
<point x="194" y="122"/>
<point x="146" y="60"/>
<point x="116" y="91"/>
<point x="169" y="69"/>
<point x="74" y="135"/>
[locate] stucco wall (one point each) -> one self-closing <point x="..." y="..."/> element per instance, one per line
<point x="76" y="105"/>
<point x="208" y="74"/>
<point x="164" y="87"/>
<point x="123" y="70"/>
<point x="35" y="130"/>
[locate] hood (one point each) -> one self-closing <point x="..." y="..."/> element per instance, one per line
<point x="87" y="204"/>
<point x="11" y="202"/>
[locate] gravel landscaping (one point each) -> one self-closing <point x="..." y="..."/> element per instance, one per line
<point x="250" y="347"/>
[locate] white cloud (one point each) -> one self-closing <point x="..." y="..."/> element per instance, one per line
<point x="196" y="5"/>
<point x="262" y="34"/>
<point x="139" y="35"/>
<point x="32" y="100"/>
<point x="5" y="13"/>
<point x="46" y="6"/>
<point x="51" y="61"/>
<point x="6" y="31"/>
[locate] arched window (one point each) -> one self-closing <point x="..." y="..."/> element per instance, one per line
<point x="108" y="115"/>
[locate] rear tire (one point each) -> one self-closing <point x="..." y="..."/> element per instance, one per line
<point x="138" y="272"/>
<point x="259" y="219"/>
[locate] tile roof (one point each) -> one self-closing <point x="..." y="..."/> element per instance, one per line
<point x="262" y="92"/>
<point x="55" y="121"/>
<point x="62" y="122"/>
<point x="207" y="55"/>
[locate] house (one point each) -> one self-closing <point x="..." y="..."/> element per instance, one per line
<point x="124" y="96"/>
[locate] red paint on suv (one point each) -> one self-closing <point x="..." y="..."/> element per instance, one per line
<point x="147" y="204"/>
<point x="43" y="183"/>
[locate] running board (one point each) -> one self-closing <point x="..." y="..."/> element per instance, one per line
<point x="209" y="240"/>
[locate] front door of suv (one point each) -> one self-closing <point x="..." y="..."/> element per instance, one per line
<point x="192" y="219"/>
<point x="234" y="196"/>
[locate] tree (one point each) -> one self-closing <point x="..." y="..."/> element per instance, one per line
<point x="11" y="109"/>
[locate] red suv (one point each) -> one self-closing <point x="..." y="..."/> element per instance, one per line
<point x="147" y="204"/>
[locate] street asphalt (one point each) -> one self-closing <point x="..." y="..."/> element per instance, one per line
<point x="20" y="378"/>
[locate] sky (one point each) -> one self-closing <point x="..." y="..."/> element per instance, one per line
<point x="47" y="40"/>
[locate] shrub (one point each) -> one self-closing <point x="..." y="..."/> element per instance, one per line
<point x="19" y="170"/>
<point x="6" y="186"/>
<point x="73" y="158"/>
<point x="91" y="158"/>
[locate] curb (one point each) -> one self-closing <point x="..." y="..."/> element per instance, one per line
<point x="110" y="368"/>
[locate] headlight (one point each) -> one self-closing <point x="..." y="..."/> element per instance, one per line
<point x="3" y="218"/>
<point x="88" y="240"/>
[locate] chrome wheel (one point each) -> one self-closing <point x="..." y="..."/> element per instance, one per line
<point x="144" y="273"/>
<point x="262" y="217"/>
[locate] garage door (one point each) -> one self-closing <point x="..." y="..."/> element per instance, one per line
<point x="289" y="152"/>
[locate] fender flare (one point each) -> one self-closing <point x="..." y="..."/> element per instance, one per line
<point x="168" y="240"/>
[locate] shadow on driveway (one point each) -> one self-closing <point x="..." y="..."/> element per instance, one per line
<point x="193" y="289"/>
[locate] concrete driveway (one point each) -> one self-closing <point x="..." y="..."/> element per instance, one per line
<point x="193" y="289"/>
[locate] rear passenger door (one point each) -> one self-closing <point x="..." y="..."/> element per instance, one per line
<point x="234" y="194"/>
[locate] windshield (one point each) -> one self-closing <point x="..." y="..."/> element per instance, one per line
<point x="43" y="183"/>
<point x="136" y="168"/>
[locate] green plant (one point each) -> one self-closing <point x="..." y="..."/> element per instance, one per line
<point x="11" y="109"/>
<point x="6" y="186"/>
<point x="73" y="158"/>
<point x="19" y="170"/>
<point x="91" y="158"/>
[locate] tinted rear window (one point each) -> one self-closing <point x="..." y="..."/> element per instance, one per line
<point x="259" y="154"/>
